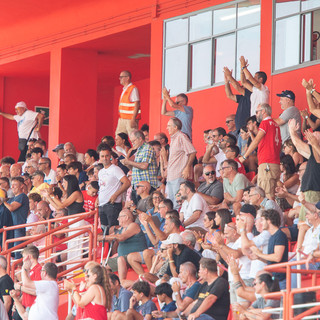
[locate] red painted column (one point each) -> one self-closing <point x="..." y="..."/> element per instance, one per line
<point x="73" y="98"/>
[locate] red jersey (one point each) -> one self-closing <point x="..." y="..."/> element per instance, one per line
<point x="89" y="204"/>
<point x="35" y="274"/>
<point x="241" y="168"/>
<point x="270" y="146"/>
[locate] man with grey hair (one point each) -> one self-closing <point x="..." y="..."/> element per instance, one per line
<point x="258" y="198"/>
<point x="31" y="167"/>
<point x="70" y="148"/>
<point x="144" y="166"/>
<point x="45" y="166"/>
<point x="6" y="285"/>
<point x="189" y="239"/>
<point x="268" y="141"/>
<point x="181" y="158"/>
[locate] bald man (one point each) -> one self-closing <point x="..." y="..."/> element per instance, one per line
<point x="129" y="105"/>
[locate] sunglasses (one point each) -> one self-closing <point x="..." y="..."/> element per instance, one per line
<point x="210" y="172"/>
<point x="229" y="121"/>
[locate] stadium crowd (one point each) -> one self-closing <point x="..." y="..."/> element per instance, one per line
<point x="197" y="227"/>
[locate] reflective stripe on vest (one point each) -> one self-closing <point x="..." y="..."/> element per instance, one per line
<point x="126" y="107"/>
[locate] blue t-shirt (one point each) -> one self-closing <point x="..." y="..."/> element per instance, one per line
<point x="122" y="302"/>
<point x="192" y="292"/>
<point x="168" y="307"/>
<point x="278" y="239"/>
<point x="20" y="215"/>
<point x="186" y="118"/>
<point x="146" y="308"/>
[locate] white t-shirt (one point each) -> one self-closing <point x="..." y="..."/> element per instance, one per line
<point x="220" y="157"/>
<point x="258" y="96"/>
<point x="51" y="178"/>
<point x="47" y="301"/>
<point x="25" y="123"/>
<point x="196" y="203"/>
<point x="244" y="261"/>
<point x="311" y="240"/>
<point x="109" y="183"/>
<point x="261" y="241"/>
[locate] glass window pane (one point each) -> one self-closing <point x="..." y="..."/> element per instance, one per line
<point x="248" y="14"/>
<point x="200" y="25"/>
<point x="287" y="7"/>
<point x="201" y="64"/>
<point x="224" y="19"/>
<point x="224" y="55"/>
<point x="287" y="42"/>
<point x="310" y="4"/>
<point x="176" y="69"/>
<point x="248" y="45"/>
<point x="306" y="38"/>
<point x="310" y="49"/>
<point x="176" y="32"/>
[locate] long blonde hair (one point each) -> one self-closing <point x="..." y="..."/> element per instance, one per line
<point x="102" y="280"/>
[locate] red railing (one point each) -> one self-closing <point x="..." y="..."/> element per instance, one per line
<point x="91" y="230"/>
<point x="288" y="294"/>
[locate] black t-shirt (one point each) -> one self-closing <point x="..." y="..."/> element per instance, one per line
<point x="6" y="284"/>
<point x="185" y="255"/>
<point x="243" y="110"/>
<point x="311" y="178"/>
<point x="220" y="288"/>
<point x="278" y="239"/>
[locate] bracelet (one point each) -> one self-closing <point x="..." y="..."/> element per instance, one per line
<point x="245" y="158"/>
<point x="244" y="67"/>
<point x="171" y="261"/>
<point x="312" y="91"/>
<point x="237" y="284"/>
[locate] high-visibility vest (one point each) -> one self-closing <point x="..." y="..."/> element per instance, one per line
<point x="126" y="107"/>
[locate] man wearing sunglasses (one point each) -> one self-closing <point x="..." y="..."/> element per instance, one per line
<point x="212" y="189"/>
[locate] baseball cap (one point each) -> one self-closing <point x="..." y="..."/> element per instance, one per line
<point x="318" y="205"/>
<point x="287" y="94"/>
<point x="58" y="147"/>
<point x="21" y="104"/>
<point x="173" y="238"/>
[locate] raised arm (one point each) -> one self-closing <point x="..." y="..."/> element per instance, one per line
<point x="7" y="115"/>
<point x="301" y="146"/>
<point x="248" y="75"/>
<point x="247" y="84"/>
<point x="166" y="95"/>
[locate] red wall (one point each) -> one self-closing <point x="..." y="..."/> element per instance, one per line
<point x="35" y="92"/>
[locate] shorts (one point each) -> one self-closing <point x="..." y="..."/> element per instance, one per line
<point x="267" y="179"/>
<point x="233" y="291"/>
<point x="113" y="263"/>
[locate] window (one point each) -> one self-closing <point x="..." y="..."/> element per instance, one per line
<point x="199" y="45"/>
<point x="296" y="35"/>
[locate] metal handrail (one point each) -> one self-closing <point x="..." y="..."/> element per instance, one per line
<point x="91" y="230"/>
<point x="288" y="294"/>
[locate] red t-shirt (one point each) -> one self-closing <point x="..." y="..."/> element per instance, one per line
<point x="62" y="246"/>
<point x="89" y="204"/>
<point x="241" y="168"/>
<point x="35" y="275"/>
<point x="270" y="146"/>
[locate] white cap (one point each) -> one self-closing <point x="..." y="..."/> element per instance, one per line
<point x="21" y="104"/>
<point x="173" y="238"/>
